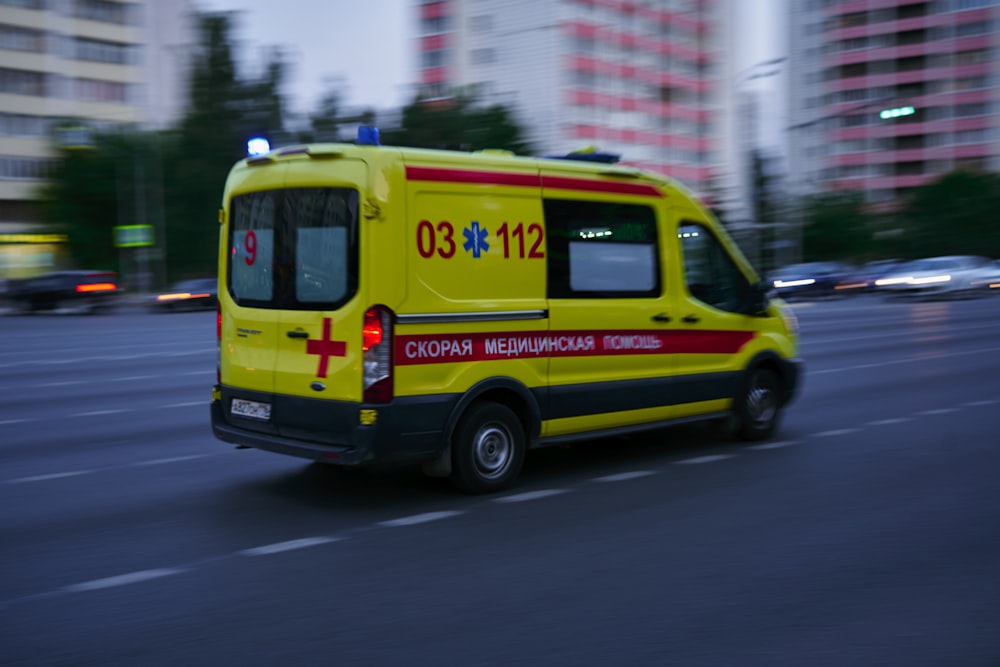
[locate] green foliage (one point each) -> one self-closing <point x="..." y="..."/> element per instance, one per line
<point x="957" y="214"/>
<point x="836" y="226"/>
<point x="458" y="123"/>
<point x="91" y="190"/>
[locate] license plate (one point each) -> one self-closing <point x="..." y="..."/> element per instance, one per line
<point x="251" y="409"/>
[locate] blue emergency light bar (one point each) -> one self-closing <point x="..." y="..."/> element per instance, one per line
<point x="258" y="146"/>
<point x="367" y="135"/>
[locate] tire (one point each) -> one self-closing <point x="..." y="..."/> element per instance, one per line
<point x="758" y="407"/>
<point x="487" y="449"/>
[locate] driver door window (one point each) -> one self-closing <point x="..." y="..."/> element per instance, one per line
<point x="710" y="274"/>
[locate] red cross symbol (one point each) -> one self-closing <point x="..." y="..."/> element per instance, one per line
<point x="325" y="348"/>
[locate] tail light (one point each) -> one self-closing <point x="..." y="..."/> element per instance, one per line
<point x="377" y="355"/>
<point x="218" y="343"/>
<point x="96" y="287"/>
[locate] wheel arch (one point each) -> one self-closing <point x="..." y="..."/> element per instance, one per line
<point x="772" y="361"/>
<point x="506" y="391"/>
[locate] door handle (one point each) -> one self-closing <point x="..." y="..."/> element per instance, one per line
<point x="661" y="317"/>
<point x="297" y="334"/>
<point x="691" y="319"/>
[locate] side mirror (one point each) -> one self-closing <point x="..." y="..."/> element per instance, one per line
<point x="760" y="293"/>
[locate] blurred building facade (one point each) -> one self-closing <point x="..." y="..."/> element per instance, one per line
<point x="886" y="95"/>
<point x="642" y="78"/>
<point x="72" y="65"/>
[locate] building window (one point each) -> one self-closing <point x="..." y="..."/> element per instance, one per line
<point x="482" y="23"/>
<point x="104" y="11"/>
<point x="24" y="168"/>
<point x="483" y="56"/>
<point x="432" y="58"/>
<point x="20" y="125"/>
<point x="93" y="90"/>
<point x="434" y="25"/>
<point x="14" y="38"/>
<point x="103" y="52"/>
<point x="20" y="82"/>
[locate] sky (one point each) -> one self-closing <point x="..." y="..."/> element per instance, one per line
<point x="363" y="48"/>
<point x="366" y="48"/>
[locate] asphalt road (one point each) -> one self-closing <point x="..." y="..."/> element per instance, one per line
<point x="866" y="533"/>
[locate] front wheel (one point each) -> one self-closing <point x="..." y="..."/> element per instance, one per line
<point x="758" y="408"/>
<point x="487" y="449"/>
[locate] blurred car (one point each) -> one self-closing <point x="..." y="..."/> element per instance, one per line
<point x="988" y="279"/>
<point x="81" y="291"/>
<point x="815" y="279"/>
<point x="946" y="276"/>
<point x="196" y="294"/>
<point x="870" y="272"/>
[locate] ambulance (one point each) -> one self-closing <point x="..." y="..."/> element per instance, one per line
<point x="382" y="304"/>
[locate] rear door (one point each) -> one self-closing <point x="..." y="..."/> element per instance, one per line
<point x="294" y="327"/>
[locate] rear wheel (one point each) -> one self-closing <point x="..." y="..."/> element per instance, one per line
<point x="487" y="449"/>
<point x="758" y="408"/>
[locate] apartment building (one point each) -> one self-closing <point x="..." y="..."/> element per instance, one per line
<point x="79" y="63"/>
<point x="886" y="95"/>
<point x="636" y="77"/>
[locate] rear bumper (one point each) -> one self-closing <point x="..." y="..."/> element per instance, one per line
<point x="338" y="432"/>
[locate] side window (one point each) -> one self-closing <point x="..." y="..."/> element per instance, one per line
<point x="710" y="273"/>
<point x="601" y="249"/>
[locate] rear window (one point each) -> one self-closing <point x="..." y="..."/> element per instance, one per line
<point x="294" y="249"/>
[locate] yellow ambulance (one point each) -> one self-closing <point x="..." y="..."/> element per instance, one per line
<point x="385" y="304"/>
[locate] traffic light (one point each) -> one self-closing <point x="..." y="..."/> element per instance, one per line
<point x="886" y="114"/>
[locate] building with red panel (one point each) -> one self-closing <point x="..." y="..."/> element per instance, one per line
<point x="887" y="95"/>
<point x="634" y="77"/>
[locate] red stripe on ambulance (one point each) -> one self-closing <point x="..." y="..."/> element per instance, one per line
<point x="449" y="348"/>
<point x="476" y="177"/>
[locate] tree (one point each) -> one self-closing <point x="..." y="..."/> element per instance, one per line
<point x="836" y="226"/>
<point x="959" y="213"/>
<point x="458" y="123"/>
<point x="224" y="112"/>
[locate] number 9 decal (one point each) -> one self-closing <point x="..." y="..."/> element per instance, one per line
<point x="250" y="244"/>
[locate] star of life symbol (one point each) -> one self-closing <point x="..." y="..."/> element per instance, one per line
<point x="475" y="240"/>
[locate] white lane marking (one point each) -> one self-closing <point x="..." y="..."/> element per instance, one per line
<point x="290" y="545"/>
<point x="97" y="413"/>
<point x="65" y="383"/>
<point x="622" y="476"/>
<point x="186" y="405"/>
<point x="930" y="330"/>
<point x="172" y="459"/>
<point x="895" y="362"/>
<point x="208" y="372"/>
<point x="938" y="411"/>
<point x="415" y="519"/>
<point x="978" y="404"/>
<point x="15" y="421"/>
<point x="887" y="422"/>
<point x="835" y="432"/>
<point x="123" y="579"/>
<point x="130" y="378"/>
<point x="529" y="495"/>
<point x="711" y="458"/>
<point x="775" y="445"/>
<point x="45" y="478"/>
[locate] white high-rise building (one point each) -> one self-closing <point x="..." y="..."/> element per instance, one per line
<point x="86" y="63"/>
<point x="642" y="78"/>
